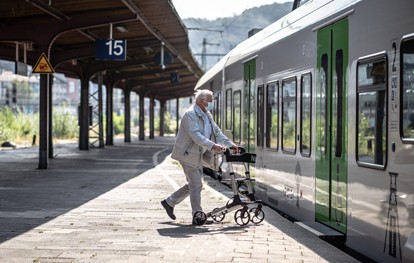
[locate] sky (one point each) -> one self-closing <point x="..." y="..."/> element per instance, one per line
<point x="212" y="9"/>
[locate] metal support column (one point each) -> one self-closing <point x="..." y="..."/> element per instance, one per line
<point x="43" y="121"/>
<point x="151" y="117"/>
<point x="127" y="110"/>
<point x="84" y="115"/>
<point x="96" y="121"/>
<point x="162" y="117"/>
<point x="109" y="112"/>
<point x="141" y="117"/>
<point x="50" y="76"/>
<point x="100" y="111"/>
<point x="177" y="115"/>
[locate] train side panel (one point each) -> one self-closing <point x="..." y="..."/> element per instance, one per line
<point x="285" y="178"/>
<point x="381" y="180"/>
<point x="329" y="111"/>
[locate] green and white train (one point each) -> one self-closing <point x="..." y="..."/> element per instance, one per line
<point x="325" y="98"/>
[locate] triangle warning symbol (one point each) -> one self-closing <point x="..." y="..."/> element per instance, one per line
<point x="43" y="66"/>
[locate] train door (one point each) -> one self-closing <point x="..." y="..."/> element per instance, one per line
<point x="249" y="107"/>
<point x="331" y="126"/>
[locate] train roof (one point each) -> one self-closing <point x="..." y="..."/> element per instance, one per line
<point x="303" y="17"/>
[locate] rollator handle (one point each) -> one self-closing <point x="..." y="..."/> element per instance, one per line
<point x="242" y="156"/>
<point x="229" y="151"/>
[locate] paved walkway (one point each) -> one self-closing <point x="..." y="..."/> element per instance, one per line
<point x="103" y="205"/>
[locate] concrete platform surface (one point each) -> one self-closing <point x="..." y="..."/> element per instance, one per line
<point x="103" y="205"/>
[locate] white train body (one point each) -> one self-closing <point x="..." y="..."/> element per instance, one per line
<point x="323" y="97"/>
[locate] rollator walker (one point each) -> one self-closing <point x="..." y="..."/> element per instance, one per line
<point x="241" y="199"/>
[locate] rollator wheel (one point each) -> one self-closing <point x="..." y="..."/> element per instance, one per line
<point x="256" y="215"/>
<point x="242" y="216"/>
<point x="199" y="218"/>
<point x="218" y="217"/>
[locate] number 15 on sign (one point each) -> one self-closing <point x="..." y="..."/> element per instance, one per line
<point x="111" y="49"/>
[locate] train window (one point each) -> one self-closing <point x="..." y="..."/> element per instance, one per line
<point x="289" y="115"/>
<point x="217" y="109"/>
<point x="305" y="114"/>
<point x="260" y="116"/>
<point x="371" y="121"/>
<point x="337" y="102"/>
<point x="272" y="116"/>
<point x="407" y="90"/>
<point x="237" y="117"/>
<point x="322" y="124"/>
<point x="228" y="109"/>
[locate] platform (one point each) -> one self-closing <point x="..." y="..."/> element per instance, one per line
<point x="103" y="205"/>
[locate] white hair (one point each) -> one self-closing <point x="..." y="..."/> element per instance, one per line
<point x="202" y="94"/>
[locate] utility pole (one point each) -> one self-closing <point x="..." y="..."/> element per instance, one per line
<point x="204" y="52"/>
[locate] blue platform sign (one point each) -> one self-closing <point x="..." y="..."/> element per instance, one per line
<point x="111" y="49"/>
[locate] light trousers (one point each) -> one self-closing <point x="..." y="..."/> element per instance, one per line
<point x="193" y="189"/>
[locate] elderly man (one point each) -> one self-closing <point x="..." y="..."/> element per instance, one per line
<point x="197" y="135"/>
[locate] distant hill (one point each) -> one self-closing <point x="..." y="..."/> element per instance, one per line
<point x="222" y="34"/>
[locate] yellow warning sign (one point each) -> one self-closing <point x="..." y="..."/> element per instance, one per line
<point x="43" y="66"/>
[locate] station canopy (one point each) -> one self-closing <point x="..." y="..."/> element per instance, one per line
<point x="158" y="61"/>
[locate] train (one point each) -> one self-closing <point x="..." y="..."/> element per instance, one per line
<point x="324" y="97"/>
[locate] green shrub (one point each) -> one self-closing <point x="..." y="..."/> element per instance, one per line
<point x="20" y="127"/>
<point x="65" y="125"/>
<point x="17" y="127"/>
<point x="119" y="123"/>
<point x="169" y="124"/>
<point x="26" y="125"/>
<point x="6" y="124"/>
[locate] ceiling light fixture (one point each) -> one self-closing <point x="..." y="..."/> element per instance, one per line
<point x="122" y="28"/>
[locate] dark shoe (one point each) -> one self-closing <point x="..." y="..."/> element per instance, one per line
<point x="208" y="222"/>
<point x="169" y="209"/>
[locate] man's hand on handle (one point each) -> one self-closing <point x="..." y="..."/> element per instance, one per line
<point x="218" y="148"/>
<point x="235" y="149"/>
